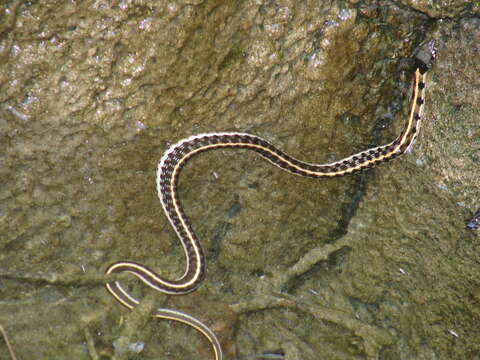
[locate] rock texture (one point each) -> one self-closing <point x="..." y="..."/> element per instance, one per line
<point x="93" y="92"/>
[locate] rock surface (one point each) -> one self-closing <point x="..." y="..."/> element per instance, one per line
<point x="91" y="95"/>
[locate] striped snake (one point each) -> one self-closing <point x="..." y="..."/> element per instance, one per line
<point x="177" y="156"/>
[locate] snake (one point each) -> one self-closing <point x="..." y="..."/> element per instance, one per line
<point x="177" y="155"/>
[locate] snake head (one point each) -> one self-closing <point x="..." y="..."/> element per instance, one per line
<point x="425" y="54"/>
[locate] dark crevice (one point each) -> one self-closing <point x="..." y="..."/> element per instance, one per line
<point x="361" y="181"/>
<point x="358" y="188"/>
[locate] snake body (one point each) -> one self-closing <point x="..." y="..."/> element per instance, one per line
<point x="179" y="154"/>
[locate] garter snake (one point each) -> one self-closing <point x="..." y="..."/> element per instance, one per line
<point x="178" y="154"/>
